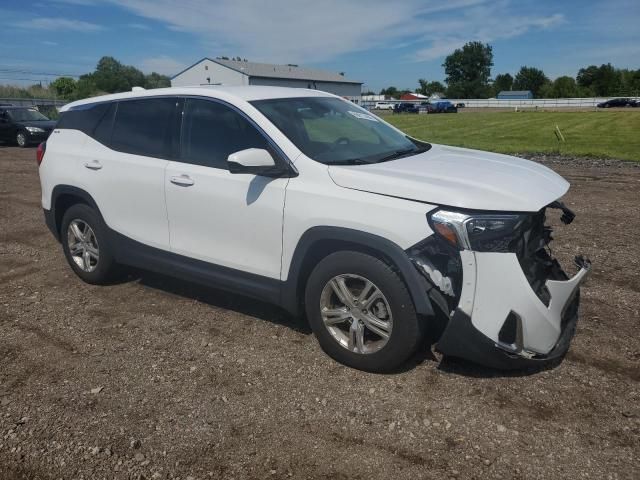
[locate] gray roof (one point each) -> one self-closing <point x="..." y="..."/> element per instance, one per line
<point x="515" y="92"/>
<point x="268" y="70"/>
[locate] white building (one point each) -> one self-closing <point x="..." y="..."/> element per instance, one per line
<point x="234" y="72"/>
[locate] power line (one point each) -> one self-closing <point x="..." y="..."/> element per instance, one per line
<point x="31" y="72"/>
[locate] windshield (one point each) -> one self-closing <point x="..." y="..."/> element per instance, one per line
<point x="26" y="115"/>
<point x="333" y="131"/>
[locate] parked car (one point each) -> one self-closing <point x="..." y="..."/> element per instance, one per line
<point x="445" y="107"/>
<point x="618" y="102"/>
<point x="384" y="106"/>
<point x="460" y="105"/>
<point x="405" y="107"/>
<point x="305" y="200"/>
<point x="24" y="125"/>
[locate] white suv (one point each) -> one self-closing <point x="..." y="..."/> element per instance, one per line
<point x="300" y="198"/>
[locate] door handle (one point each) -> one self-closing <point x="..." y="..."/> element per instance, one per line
<point x="93" y="165"/>
<point x="182" y="180"/>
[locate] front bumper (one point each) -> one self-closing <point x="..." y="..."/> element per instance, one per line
<point x="500" y="322"/>
<point x="37" y="137"/>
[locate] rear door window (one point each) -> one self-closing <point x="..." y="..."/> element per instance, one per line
<point x="143" y="126"/>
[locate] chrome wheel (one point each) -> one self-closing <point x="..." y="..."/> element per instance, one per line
<point x="356" y="313"/>
<point x="83" y="245"/>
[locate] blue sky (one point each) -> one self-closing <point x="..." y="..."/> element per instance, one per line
<point x="379" y="42"/>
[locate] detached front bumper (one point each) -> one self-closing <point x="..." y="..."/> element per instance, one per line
<point x="500" y="321"/>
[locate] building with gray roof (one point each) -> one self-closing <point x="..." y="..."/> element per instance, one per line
<point x="208" y="71"/>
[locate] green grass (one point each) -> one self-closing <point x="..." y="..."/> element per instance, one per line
<point x="595" y="134"/>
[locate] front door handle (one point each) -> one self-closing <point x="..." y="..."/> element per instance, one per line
<point x="182" y="180"/>
<point x="93" y="165"/>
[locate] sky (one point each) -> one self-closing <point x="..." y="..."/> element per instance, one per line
<point x="378" y="42"/>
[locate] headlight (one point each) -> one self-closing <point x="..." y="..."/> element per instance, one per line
<point x="479" y="232"/>
<point x="35" y="129"/>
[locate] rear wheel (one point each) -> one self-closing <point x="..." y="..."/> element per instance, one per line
<point x="85" y="245"/>
<point x="22" y="139"/>
<point x="361" y="312"/>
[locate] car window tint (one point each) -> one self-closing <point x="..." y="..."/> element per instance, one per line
<point x="102" y="130"/>
<point x="212" y="131"/>
<point x="83" y="118"/>
<point x="142" y="126"/>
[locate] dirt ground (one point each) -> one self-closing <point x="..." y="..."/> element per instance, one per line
<point x="156" y="378"/>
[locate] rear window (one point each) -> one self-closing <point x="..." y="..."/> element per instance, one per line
<point x="84" y="118"/>
<point x="142" y="127"/>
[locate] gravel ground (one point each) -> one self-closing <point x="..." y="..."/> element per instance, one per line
<point x="156" y="378"/>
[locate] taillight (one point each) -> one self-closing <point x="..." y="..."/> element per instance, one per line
<point x="40" y="152"/>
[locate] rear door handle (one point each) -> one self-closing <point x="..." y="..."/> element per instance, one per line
<point x="93" y="165"/>
<point x="182" y="180"/>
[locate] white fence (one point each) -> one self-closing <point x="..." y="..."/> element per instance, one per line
<point x="532" y="103"/>
<point x="524" y="104"/>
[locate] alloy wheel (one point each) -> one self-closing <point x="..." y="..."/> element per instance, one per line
<point x="356" y="313"/>
<point x="83" y="245"/>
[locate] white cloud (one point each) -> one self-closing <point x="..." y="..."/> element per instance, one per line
<point x="483" y="24"/>
<point x="58" y="24"/>
<point x="163" y="64"/>
<point x="308" y="31"/>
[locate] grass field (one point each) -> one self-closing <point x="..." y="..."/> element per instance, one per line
<point x="597" y="134"/>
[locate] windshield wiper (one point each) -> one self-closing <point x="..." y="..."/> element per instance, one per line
<point x="350" y="161"/>
<point x="401" y="153"/>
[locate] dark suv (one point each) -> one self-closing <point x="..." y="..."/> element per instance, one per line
<point x="24" y="125"/>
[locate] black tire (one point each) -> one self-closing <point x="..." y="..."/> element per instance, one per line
<point x="22" y="139"/>
<point x="407" y="332"/>
<point x="106" y="269"/>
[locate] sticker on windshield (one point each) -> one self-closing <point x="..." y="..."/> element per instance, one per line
<point x="363" y="116"/>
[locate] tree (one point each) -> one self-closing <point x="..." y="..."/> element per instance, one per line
<point x="390" y="92"/>
<point x="155" y="80"/>
<point x="503" y="81"/>
<point x="64" y="86"/>
<point x="468" y="70"/>
<point x="530" y="78"/>
<point x="429" y="88"/>
<point x="604" y="80"/>
<point x="564" y="87"/>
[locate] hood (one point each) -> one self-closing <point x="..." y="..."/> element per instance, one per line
<point x="458" y="177"/>
<point x="46" y="125"/>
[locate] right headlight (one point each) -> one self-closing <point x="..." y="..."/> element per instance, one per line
<point x="480" y="232"/>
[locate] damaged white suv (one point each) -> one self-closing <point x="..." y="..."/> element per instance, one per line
<point x="303" y="199"/>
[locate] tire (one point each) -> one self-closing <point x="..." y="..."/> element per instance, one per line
<point x="102" y="268"/>
<point x="394" y="309"/>
<point x="22" y="139"/>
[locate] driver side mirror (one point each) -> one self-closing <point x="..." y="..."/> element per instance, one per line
<point x="256" y="161"/>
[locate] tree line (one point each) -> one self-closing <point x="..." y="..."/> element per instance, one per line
<point x="468" y="75"/>
<point x="110" y="76"/>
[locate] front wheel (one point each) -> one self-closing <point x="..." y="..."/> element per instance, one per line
<point x="361" y="312"/>
<point x="22" y="139"/>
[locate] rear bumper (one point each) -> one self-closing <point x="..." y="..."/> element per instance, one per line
<point x="500" y="322"/>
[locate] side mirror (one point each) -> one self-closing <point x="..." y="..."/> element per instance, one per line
<point x="255" y="161"/>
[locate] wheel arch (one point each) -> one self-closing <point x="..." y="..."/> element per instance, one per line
<point x="63" y="197"/>
<point x="319" y="242"/>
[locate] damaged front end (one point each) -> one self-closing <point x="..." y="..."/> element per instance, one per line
<point x="501" y="298"/>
